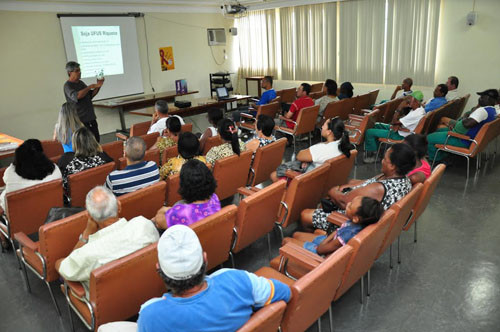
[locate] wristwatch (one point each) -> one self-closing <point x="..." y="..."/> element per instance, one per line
<point x="82" y="239"/>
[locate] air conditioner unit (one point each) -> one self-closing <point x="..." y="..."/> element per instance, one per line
<point x="216" y="37"/>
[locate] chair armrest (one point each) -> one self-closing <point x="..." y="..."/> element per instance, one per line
<point x="366" y="111"/>
<point x="121" y="136"/>
<point x="245" y="191"/>
<point x="25" y="241"/>
<point x="246" y="115"/>
<point x="76" y="288"/>
<point x="300" y="256"/>
<point x="457" y="135"/>
<point x="287" y="119"/>
<point x="356" y="116"/>
<point x="292" y="174"/>
<point x="337" y="218"/>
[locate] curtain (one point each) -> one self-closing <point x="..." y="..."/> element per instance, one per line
<point x="257" y="42"/>
<point x="308" y="42"/>
<point x="361" y="41"/>
<point x="412" y="27"/>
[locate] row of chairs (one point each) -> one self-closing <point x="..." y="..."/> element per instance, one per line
<point x="257" y="214"/>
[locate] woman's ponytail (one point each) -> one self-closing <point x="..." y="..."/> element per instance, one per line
<point x="336" y="125"/>
<point x="229" y="132"/>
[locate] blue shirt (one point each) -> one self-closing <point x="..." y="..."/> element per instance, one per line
<point x="347" y="231"/>
<point x="266" y="97"/>
<point x="434" y="103"/>
<point x="133" y="177"/>
<point x="224" y="306"/>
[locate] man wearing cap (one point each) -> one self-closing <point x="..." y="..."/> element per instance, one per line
<point x="438" y="100"/>
<point x="404" y="122"/>
<point x="223" y="301"/>
<point x="468" y="125"/>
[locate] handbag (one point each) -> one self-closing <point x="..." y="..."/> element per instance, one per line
<point x="58" y="213"/>
<point x="328" y="206"/>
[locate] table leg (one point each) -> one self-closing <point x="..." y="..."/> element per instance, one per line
<point x="246" y="81"/>
<point x="259" y="89"/>
<point x="122" y="120"/>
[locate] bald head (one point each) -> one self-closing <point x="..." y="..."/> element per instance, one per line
<point x="101" y="204"/>
<point x="135" y="149"/>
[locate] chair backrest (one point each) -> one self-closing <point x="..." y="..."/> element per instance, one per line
<point x="140" y="129"/>
<point x="57" y="239"/>
<point x="403" y="209"/>
<point x="188" y="127"/>
<point x="287" y="95"/>
<point x="215" y="234"/>
<point x="358" y="137"/>
<point x="316" y="87"/>
<point x="210" y="143"/>
<point x="313" y="293"/>
<point x="82" y="182"/>
<point x="366" y="245"/>
<point x="270" y="109"/>
<point x="111" y="296"/>
<point x="304" y="192"/>
<point x="267" y="319"/>
<point x="26" y="209"/>
<point x="437" y="115"/>
<point x="362" y="102"/>
<point x="373" y="97"/>
<point x="340" y="168"/>
<point x="168" y="153"/>
<point x="257" y="214"/>
<point x="267" y="159"/>
<point x="486" y="135"/>
<point x="390" y="109"/>
<point x="306" y="121"/>
<point x="422" y="127"/>
<point x="150" y="139"/>
<point x="52" y="148"/>
<point x="461" y="105"/>
<point x="143" y="202"/>
<point x="317" y="94"/>
<point x="150" y="155"/>
<point x="114" y="150"/>
<point x="277" y="99"/>
<point x="231" y="173"/>
<point x="172" y="195"/>
<point x="428" y="189"/>
<point x="2" y="171"/>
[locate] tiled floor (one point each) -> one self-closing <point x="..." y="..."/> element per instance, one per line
<point x="447" y="281"/>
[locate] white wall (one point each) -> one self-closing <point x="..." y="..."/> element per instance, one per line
<point x="32" y="60"/>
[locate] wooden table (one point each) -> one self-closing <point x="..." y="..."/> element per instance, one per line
<point x="5" y="139"/>
<point x="258" y="79"/>
<point x="198" y="106"/>
<point x="135" y="102"/>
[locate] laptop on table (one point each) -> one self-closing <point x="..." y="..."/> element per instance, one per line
<point x="222" y="94"/>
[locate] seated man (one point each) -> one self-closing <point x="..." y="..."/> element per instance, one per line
<point x="223" y="301"/>
<point x="404" y="122"/>
<point x="346" y="90"/>
<point x="438" y="100"/>
<point x="404" y="89"/>
<point x="452" y="85"/>
<point x="138" y="173"/>
<point x="160" y="116"/>
<point x="468" y="125"/>
<point x="303" y="100"/>
<point x="268" y="95"/>
<point x="106" y="238"/>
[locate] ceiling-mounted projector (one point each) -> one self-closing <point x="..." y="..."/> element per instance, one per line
<point x="233" y="9"/>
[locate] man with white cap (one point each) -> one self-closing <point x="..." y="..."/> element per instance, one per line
<point x="223" y="301"/>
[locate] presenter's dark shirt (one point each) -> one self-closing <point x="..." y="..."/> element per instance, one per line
<point x="84" y="106"/>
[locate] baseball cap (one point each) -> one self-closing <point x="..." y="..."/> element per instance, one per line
<point x="418" y="95"/>
<point x="180" y="255"/>
<point x="493" y="93"/>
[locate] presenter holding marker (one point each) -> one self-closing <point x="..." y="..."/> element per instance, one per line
<point x="81" y="95"/>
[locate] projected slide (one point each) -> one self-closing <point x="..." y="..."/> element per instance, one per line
<point x="98" y="49"/>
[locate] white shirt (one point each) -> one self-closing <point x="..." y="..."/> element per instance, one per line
<point x="321" y="152"/>
<point x="497" y="108"/>
<point x="110" y="243"/>
<point x="160" y="125"/>
<point x="14" y="182"/>
<point x="480" y="114"/>
<point x="403" y="93"/>
<point x="411" y="120"/>
<point x="452" y="95"/>
<point x="213" y="131"/>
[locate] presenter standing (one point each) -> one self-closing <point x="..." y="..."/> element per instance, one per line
<point x="81" y="95"/>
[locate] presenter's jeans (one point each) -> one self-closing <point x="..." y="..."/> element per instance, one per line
<point x="93" y="127"/>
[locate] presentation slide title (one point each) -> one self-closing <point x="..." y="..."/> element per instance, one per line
<point x="98" y="33"/>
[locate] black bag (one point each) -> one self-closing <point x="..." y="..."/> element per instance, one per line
<point x="58" y="213"/>
<point x="328" y="206"/>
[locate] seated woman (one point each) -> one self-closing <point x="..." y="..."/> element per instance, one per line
<point x="263" y="133"/>
<point x="170" y="134"/>
<point x="361" y="211"/>
<point x="67" y="123"/>
<point x="214" y="116"/>
<point x="232" y="144"/>
<point x="422" y="168"/>
<point x="88" y="154"/>
<point x="197" y="189"/>
<point x="330" y="88"/>
<point x="189" y="148"/>
<point x="387" y="188"/>
<point x="346" y="90"/>
<point x="337" y="143"/>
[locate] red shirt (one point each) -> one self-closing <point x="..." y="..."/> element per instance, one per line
<point x="298" y="105"/>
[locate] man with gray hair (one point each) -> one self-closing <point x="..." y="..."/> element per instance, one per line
<point x="105" y="238"/>
<point x="138" y="173"/>
<point x="160" y="116"/>
<point x="80" y="95"/>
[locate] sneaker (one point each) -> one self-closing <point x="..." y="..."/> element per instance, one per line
<point x="369" y="160"/>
